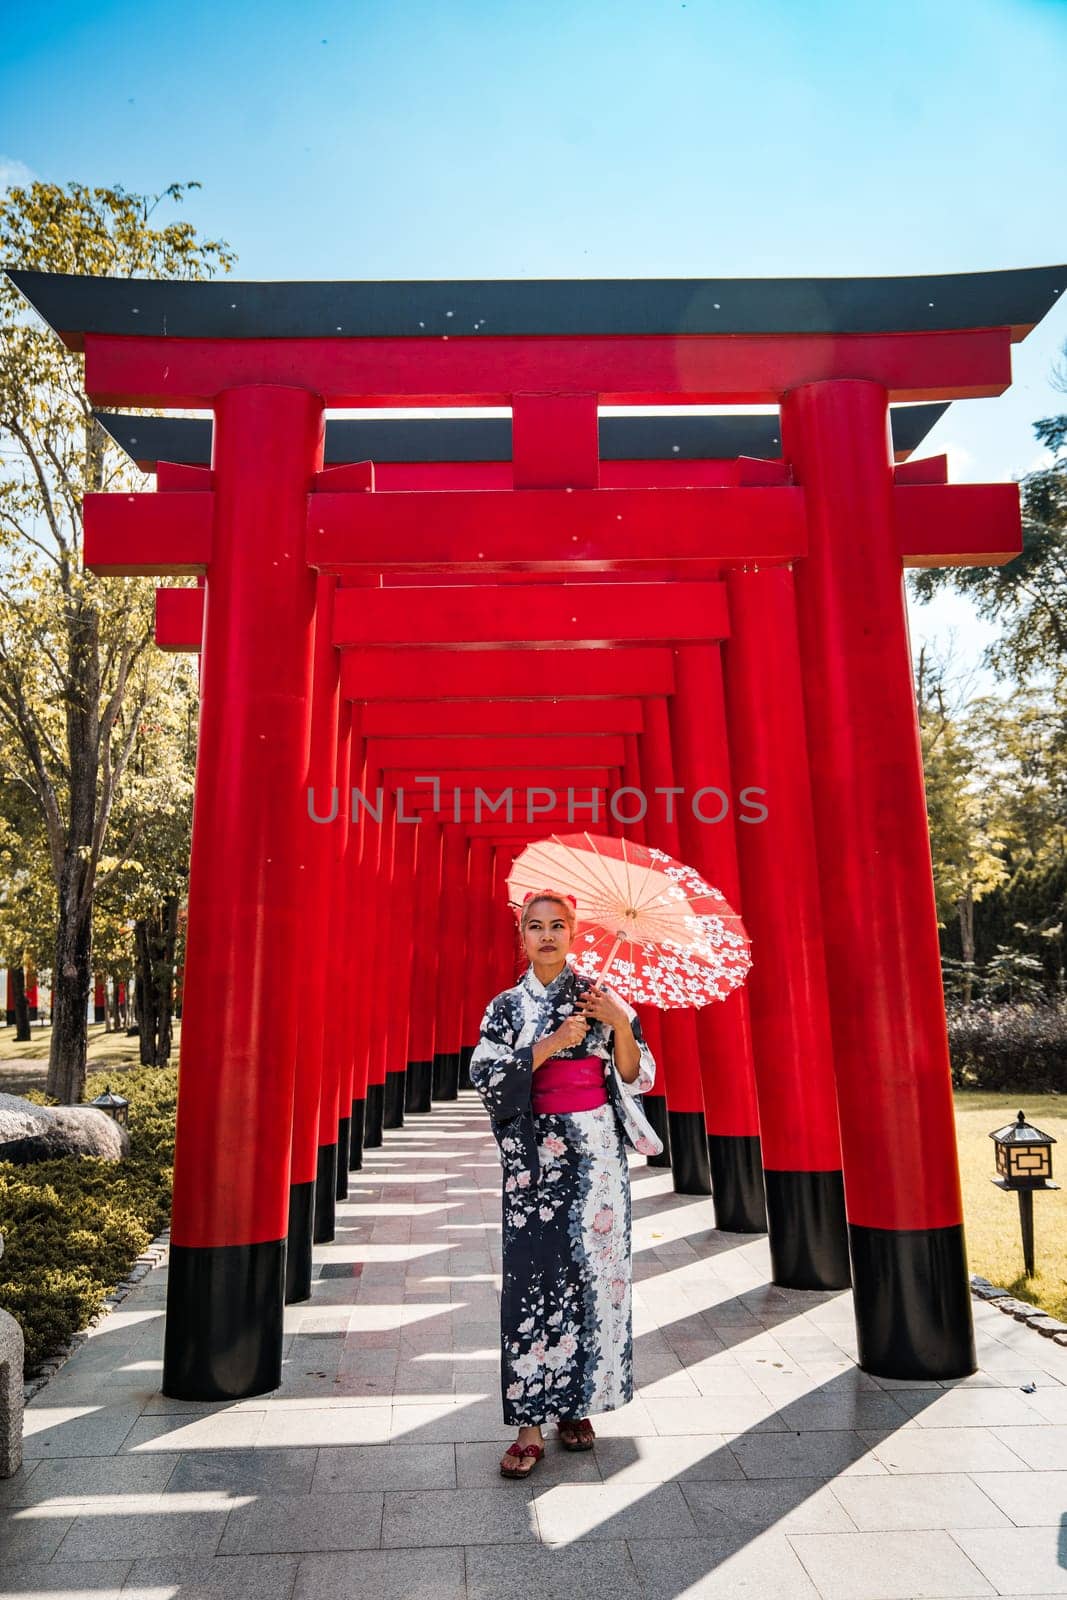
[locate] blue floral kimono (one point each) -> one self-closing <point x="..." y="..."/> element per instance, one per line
<point x="566" y="1338"/>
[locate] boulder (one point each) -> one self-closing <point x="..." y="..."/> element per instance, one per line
<point x="29" y="1132"/>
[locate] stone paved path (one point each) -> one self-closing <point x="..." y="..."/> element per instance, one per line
<point x="757" y="1461"/>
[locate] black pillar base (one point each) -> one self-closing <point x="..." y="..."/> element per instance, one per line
<point x="913" y="1302"/>
<point x="737" y="1182"/>
<point x="446" y="1075"/>
<point x="325" y="1194"/>
<point x="393" y="1101"/>
<point x="689" y="1152"/>
<point x="655" y="1108"/>
<point x="372" y="1116"/>
<point x="298" y="1254"/>
<point x="355" y="1136"/>
<point x="344" y="1133"/>
<point x="465" y="1066"/>
<point x="223" y="1338"/>
<point x="808" y="1233"/>
<point x="418" y="1086"/>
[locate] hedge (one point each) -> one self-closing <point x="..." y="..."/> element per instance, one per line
<point x="1020" y="1048"/>
<point x="74" y="1227"/>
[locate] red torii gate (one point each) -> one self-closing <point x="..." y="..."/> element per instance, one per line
<point x="267" y="362"/>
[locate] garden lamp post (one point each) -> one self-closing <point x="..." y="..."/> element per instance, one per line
<point x="1024" y="1163"/>
<point x="115" y="1105"/>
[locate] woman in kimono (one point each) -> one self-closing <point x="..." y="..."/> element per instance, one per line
<point x="556" y="1065"/>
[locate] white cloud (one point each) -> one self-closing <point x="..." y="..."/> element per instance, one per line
<point x="14" y="173"/>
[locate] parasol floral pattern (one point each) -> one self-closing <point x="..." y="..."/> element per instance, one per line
<point x="667" y="937"/>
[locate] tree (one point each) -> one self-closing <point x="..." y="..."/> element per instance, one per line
<point x="73" y="683"/>
<point x="1028" y="596"/>
<point x="150" y="834"/>
<point x="964" y="828"/>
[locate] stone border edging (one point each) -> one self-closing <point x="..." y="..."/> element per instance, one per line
<point x="1021" y="1310"/>
<point x="142" y="1266"/>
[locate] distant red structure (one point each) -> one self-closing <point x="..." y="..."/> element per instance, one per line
<point x="621" y="608"/>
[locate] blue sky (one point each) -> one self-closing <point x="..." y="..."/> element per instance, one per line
<point x="631" y="138"/>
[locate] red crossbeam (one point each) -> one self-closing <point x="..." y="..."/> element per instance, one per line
<point x="405" y="674"/>
<point x="534" y="718"/>
<point x="541" y="529"/>
<point x="743" y="369"/>
<point x="547" y="614"/>
<point x="148" y="535"/>
<point x="959" y="524"/>
<point x="179" y="619"/>
<point x="581" y="779"/>
<point x="444" y="755"/>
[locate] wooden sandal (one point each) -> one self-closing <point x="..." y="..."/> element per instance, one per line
<point x="577" y="1435"/>
<point x="519" y="1452"/>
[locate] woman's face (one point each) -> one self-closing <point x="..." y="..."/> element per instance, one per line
<point x="547" y="937"/>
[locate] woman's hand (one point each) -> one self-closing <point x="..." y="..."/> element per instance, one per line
<point x="605" y="1007"/>
<point x="571" y="1031"/>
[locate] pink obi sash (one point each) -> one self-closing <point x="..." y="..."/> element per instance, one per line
<point x="568" y="1085"/>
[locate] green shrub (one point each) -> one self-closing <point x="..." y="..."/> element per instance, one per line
<point x="1012" y="1048"/>
<point x="73" y="1227"/>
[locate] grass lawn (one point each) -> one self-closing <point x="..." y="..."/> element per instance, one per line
<point x="994" y="1244"/>
<point x="105" y="1049"/>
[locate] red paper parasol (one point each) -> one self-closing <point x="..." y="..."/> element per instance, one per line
<point x="668" y="938"/>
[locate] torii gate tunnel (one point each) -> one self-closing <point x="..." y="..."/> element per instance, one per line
<point x="689" y="629"/>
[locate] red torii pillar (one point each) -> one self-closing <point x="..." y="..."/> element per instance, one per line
<point x="631" y="818"/>
<point x="476" y="992"/>
<point x="698" y="726"/>
<point x="418" y="1086"/>
<point x="911" y="1292"/>
<point x="681" y="1064"/>
<point x="312" y="1177"/>
<point x="450" y="936"/>
<point x="225" y="1291"/>
<point x="787" y="984"/>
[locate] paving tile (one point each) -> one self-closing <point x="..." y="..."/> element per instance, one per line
<point x="13" y="1490"/>
<point x="732" y="1510"/>
<point x="52" y="1431"/>
<point x="213" y="1578"/>
<point x="72" y="1479"/>
<point x="1030" y="1499"/>
<point x="567" y="1512"/>
<point x="1045" y="1449"/>
<point x="944" y="1449"/>
<point x="904" y="1501"/>
<point x="499" y="1514"/>
<point x="431" y="1574"/>
<point x="227" y="1430"/>
<point x="847" y="1410"/>
<point x="25" y="1535"/>
<point x="297" y="1523"/>
<point x="972" y="1408"/>
<point x="888" y="1566"/>
<point x="242" y="1472"/>
<point x="816" y="1454"/>
<point x="308" y="1426"/>
<point x="714" y="1414"/>
<point x="681" y="1457"/>
<point x="1051" y="1402"/>
<point x="1025" y="1561"/>
<point x="548" y="1572"/>
<point x="351" y="1468"/>
<point x="101" y="1579"/>
<point x="764" y="1567"/>
<point x="111" y="1535"/>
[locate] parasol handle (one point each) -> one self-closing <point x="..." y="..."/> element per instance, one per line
<point x="599" y="984"/>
